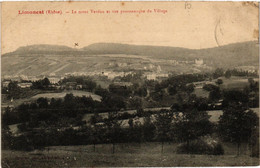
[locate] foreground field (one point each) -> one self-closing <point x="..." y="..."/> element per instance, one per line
<point x="136" y="155"/>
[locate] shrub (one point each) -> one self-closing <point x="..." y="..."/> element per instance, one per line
<point x="205" y="146"/>
<point x="254" y="143"/>
<point x="21" y="143"/>
<point x="210" y="87"/>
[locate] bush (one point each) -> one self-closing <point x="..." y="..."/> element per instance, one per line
<point x="21" y="143"/>
<point x="210" y="87"/>
<point x="255" y="152"/>
<point x="254" y="143"/>
<point x="205" y="146"/>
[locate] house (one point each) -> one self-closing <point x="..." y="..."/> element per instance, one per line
<point x="151" y="77"/>
<point x="33" y="78"/>
<point x="124" y="84"/>
<point x="250" y="69"/>
<point x="5" y="83"/>
<point x="54" y="80"/>
<point x="162" y="76"/>
<point x="199" y="62"/>
<point x="78" y="87"/>
<point x="25" y="85"/>
<point x="156" y="76"/>
<point x="71" y="85"/>
<point x="5" y="106"/>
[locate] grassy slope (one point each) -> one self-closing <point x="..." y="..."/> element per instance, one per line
<point x="147" y="154"/>
<point x="46" y="59"/>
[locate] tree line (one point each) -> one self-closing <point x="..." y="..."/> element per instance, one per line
<point x="185" y="124"/>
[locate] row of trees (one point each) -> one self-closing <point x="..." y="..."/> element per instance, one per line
<point x="86" y="82"/>
<point x="183" y="125"/>
<point x="219" y="72"/>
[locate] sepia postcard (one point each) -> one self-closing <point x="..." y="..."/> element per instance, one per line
<point x="129" y="84"/>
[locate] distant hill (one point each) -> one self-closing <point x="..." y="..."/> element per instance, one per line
<point x="238" y="53"/>
<point x="44" y="59"/>
<point x="42" y="49"/>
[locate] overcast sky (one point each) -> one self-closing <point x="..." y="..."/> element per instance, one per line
<point x="200" y="25"/>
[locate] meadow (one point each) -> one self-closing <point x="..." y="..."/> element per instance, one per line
<point x="126" y="155"/>
<point x="236" y="82"/>
<point x="63" y="94"/>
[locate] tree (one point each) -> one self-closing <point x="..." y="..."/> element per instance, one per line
<point x="254" y="142"/>
<point x="13" y="90"/>
<point x="172" y="90"/>
<point x="215" y="94"/>
<point x="163" y="122"/>
<point x="114" y="102"/>
<point x="218" y="73"/>
<point x="192" y="122"/>
<point x="219" y="82"/>
<point x="210" y="87"/>
<point x="142" y="91"/>
<point x="95" y="118"/>
<point x="190" y="88"/>
<point x="228" y="74"/>
<point x="42" y="102"/>
<point x="148" y="128"/>
<point x="136" y="103"/>
<point x="254" y="86"/>
<point x="235" y="96"/>
<point x="6" y="137"/>
<point x="95" y="133"/>
<point x="46" y="82"/>
<point x="100" y="91"/>
<point x="8" y="117"/>
<point x="236" y="124"/>
<point x="113" y="126"/>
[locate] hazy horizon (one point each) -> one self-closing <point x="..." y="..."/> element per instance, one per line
<point x="79" y="48"/>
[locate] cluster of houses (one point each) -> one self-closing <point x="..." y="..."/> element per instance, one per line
<point x="158" y="75"/>
<point x="250" y="69"/>
<point x="27" y="82"/>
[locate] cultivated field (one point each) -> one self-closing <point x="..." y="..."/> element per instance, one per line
<point x="57" y="95"/>
<point x="63" y="94"/>
<point x="236" y="82"/>
<point x="145" y="154"/>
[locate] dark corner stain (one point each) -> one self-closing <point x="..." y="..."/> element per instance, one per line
<point x="65" y="21"/>
<point x="122" y="3"/>
<point x="70" y="1"/>
<point x="251" y="3"/>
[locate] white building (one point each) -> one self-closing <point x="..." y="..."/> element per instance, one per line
<point x="199" y="61"/>
<point x="25" y="85"/>
<point x="54" y="80"/>
<point x="151" y="77"/>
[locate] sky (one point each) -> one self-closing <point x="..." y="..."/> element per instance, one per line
<point x="192" y="25"/>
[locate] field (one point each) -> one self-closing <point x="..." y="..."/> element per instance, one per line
<point x="201" y="92"/>
<point x="63" y="94"/>
<point x="236" y="82"/>
<point x="132" y="154"/>
<point x="33" y="65"/>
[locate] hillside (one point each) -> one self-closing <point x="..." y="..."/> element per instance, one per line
<point x="45" y="59"/>
<point x="238" y="53"/>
